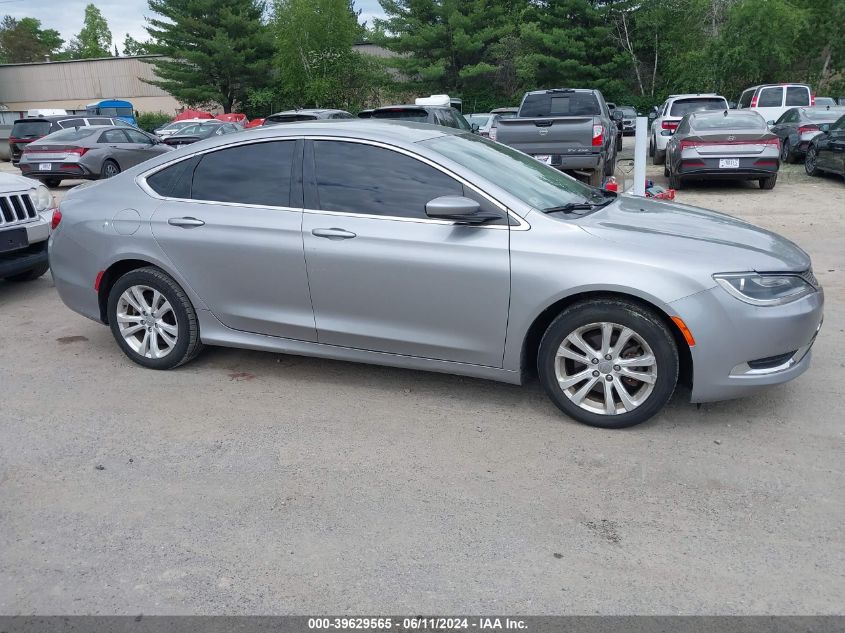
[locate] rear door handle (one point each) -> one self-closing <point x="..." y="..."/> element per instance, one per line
<point x="186" y="222"/>
<point x="333" y="234"/>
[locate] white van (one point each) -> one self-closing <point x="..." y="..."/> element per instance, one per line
<point x="45" y="112"/>
<point x="772" y="100"/>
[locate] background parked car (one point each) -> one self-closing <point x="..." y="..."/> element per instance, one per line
<point x="292" y="116"/>
<point x="498" y="115"/>
<point x="365" y="114"/>
<point x="568" y="128"/>
<point x="174" y="127"/>
<point x="731" y="144"/>
<point x="235" y="118"/>
<point x="629" y="119"/>
<point x="24" y="227"/>
<point x="667" y="117"/>
<point x="88" y="153"/>
<point x="826" y="152"/>
<point x="825" y="101"/>
<point x="772" y="100"/>
<point x="200" y="131"/>
<point x="443" y="114"/>
<point x="798" y="126"/>
<point x="25" y="131"/>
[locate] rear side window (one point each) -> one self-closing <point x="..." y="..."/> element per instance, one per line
<point x="560" y="104"/>
<point x="137" y="137"/>
<point x="30" y="129"/>
<point x="259" y="173"/>
<point x="404" y="114"/>
<point x="770" y="98"/>
<point x="745" y="99"/>
<point x="684" y="106"/>
<point x="358" y="178"/>
<point x="174" y="181"/>
<point x="112" y="136"/>
<point x="797" y="96"/>
<point x="71" y="123"/>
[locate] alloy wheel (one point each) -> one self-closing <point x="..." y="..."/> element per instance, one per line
<point x="606" y="368"/>
<point x="110" y="170"/>
<point x="147" y="322"/>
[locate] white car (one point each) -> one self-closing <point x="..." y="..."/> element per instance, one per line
<point x="771" y="100"/>
<point x="177" y="126"/>
<point x="26" y="207"/>
<point x="669" y="115"/>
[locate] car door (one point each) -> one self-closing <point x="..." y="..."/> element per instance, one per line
<point x="235" y="234"/>
<point x="116" y="146"/>
<point x="836" y="147"/>
<point x="386" y="278"/>
<point x="142" y="147"/>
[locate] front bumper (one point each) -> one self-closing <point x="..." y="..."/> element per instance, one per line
<point x="27" y="258"/>
<point x="741" y="348"/>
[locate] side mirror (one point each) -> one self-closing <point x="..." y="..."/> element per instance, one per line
<point x="475" y="128"/>
<point x="458" y="208"/>
<point x="617" y="115"/>
<point x="652" y="115"/>
<point x="825" y="128"/>
<point x="770" y="123"/>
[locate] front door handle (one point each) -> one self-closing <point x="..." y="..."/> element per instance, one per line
<point x="333" y="234"/>
<point x="186" y="222"/>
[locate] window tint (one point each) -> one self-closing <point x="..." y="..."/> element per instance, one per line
<point x="359" y="178"/>
<point x="824" y="116"/>
<point x="560" y="104"/>
<point x="770" y="97"/>
<point x="737" y="121"/>
<point x="461" y="121"/>
<point x="73" y="134"/>
<point x="745" y="99"/>
<point x="29" y="129"/>
<point x="222" y="176"/>
<point x="137" y="137"/>
<point x="797" y="96"/>
<point x="113" y="136"/>
<point x="67" y="123"/>
<point x="420" y="115"/>
<point x="685" y="106"/>
<point x="174" y="181"/>
<point x="100" y="121"/>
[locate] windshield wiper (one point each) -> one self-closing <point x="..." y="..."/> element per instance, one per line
<point x="580" y="206"/>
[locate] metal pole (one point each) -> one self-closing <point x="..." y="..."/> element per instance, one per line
<point x="640" y="155"/>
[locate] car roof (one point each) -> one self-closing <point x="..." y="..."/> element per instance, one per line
<point x="774" y="86"/>
<point x="305" y="111"/>
<point x="53" y="118"/>
<point x="412" y="106"/>
<point x="708" y="114"/>
<point x="694" y="94"/>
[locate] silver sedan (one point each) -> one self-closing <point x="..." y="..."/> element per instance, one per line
<point x="424" y="247"/>
<point x="88" y="153"/>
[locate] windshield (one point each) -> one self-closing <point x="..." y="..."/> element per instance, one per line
<point x="479" y="119"/>
<point x="30" y="129"/>
<point x="730" y="122"/>
<point x="560" y="104"/>
<point x="520" y="175"/>
<point x="405" y="114"/>
<point x="685" y="106"/>
<point x="71" y="134"/>
<point x="629" y="112"/>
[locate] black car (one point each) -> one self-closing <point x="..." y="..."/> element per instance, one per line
<point x="292" y="116"/>
<point x="798" y="126"/>
<point x="200" y="131"/>
<point x="25" y="131"/>
<point x="826" y="152"/>
<point x="435" y="115"/>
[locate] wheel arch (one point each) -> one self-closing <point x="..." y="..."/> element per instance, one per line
<point x="531" y="341"/>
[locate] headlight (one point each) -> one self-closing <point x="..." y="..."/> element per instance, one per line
<point x="762" y="289"/>
<point x="42" y="199"/>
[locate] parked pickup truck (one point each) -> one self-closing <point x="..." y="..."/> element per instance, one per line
<point x="571" y="129"/>
<point x="24" y="227"/>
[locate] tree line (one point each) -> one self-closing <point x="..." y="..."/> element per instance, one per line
<point x="265" y="55"/>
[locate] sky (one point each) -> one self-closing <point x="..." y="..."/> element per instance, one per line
<point x="123" y="16"/>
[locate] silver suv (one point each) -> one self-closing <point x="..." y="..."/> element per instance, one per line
<point x="665" y="119"/>
<point x="25" y="206"/>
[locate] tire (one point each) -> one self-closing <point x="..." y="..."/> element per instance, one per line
<point x="659" y="157"/>
<point x="597" y="176"/>
<point x="110" y="169"/>
<point x="610" y="166"/>
<point x="675" y="181"/>
<point x="786" y="154"/>
<point x="52" y="182"/>
<point x="650" y="339"/>
<point x="768" y="183"/>
<point x="180" y="316"/>
<point x="651" y="146"/>
<point x="31" y="274"/>
<point x="810" y="162"/>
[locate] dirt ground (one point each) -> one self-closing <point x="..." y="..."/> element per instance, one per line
<point x="249" y="482"/>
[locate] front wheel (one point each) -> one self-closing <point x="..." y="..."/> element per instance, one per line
<point x="608" y="363"/>
<point x="152" y="319"/>
<point x="810" y="162"/>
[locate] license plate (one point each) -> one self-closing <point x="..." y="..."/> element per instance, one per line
<point x="544" y="158"/>
<point x="728" y="163"/>
<point x="13" y="239"/>
<point x="45" y="166"/>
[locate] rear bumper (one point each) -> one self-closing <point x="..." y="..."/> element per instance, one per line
<point x="69" y="170"/>
<point x="743" y="173"/>
<point x="576" y="161"/>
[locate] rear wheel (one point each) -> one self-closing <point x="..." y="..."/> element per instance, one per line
<point x="659" y="156"/>
<point x="110" y="169"/>
<point x="651" y="146"/>
<point x="675" y="181"/>
<point x="810" y="162"/>
<point x="786" y="155"/>
<point x="596" y="178"/>
<point x="52" y="182"/>
<point x="768" y="183"/>
<point x="608" y="363"/>
<point x="152" y="319"/>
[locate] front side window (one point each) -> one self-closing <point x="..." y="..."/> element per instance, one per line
<point x="797" y="96"/>
<point x="770" y="98"/>
<point x="358" y="178"/>
<point x="745" y="99"/>
<point x="222" y="176"/>
<point x="112" y="136"/>
<point x="839" y="126"/>
<point x="137" y="137"/>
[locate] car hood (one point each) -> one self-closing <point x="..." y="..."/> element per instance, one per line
<point x="689" y="233"/>
<point x="12" y="182"/>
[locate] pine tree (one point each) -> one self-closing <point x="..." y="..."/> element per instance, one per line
<point x="94" y="40"/>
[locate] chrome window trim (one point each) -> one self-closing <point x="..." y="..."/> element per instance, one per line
<point x="522" y="224"/>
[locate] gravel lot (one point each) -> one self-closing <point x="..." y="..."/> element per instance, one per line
<point x="249" y="482"/>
